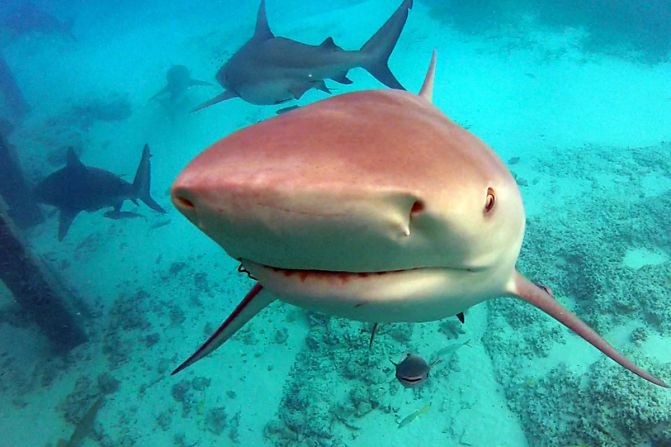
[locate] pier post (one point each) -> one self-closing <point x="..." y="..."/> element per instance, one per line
<point x="36" y="290"/>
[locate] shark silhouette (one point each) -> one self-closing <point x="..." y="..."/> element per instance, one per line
<point x="372" y="206"/>
<point x="271" y="70"/>
<point x="77" y="187"/>
<point x="178" y="81"/>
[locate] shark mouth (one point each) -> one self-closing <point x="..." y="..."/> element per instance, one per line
<point x="304" y="275"/>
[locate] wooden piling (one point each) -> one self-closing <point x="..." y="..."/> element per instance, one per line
<point x="36" y="289"/>
<point x="9" y="89"/>
<point x="14" y="189"/>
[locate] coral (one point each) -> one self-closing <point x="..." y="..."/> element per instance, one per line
<point x="216" y="420"/>
<point x="582" y="260"/>
<point x="107" y="383"/>
<point x="632" y="30"/>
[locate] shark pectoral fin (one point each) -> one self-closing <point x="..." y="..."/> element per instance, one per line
<point x="342" y="79"/>
<point x="142" y="183"/>
<point x="298" y="90"/>
<point x="321" y="85"/>
<point x="159" y="93"/>
<point x="528" y="291"/>
<point x="227" y="94"/>
<point x="257" y="299"/>
<point x="65" y="219"/>
<point x="195" y="82"/>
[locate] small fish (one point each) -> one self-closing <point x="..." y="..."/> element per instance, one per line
<point x="448" y="350"/>
<point x="413" y="370"/>
<point x="414" y="415"/>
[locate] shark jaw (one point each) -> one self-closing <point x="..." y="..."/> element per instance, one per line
<point x="414" y="294"/>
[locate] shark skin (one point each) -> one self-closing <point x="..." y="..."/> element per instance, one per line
<point x="270" y="70"/>
<point x="372" y="206"/>
<point x="77" y="187"/>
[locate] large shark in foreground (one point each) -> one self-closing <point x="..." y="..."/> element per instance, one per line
<point x="77" y="187"/>
<point x="372" y="206"/>
<point x="271" y="70"/>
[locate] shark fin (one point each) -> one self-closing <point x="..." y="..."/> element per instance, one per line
<point x="257" y="299"/>
<point x="72" y="161"/>
<point x="372" y="335"/>
<point x="376" y="52"/>
<point x="142" y="181"/>
<point x="227" y="94"/>
<point x="163" y="91"/>
<point x="426" y="91"/>
<point x="328" y="43"/>
<point x="461" y="317"/>
<point x="321" y="85"/>
<point x="65" y="219"/>
<point x="521" y="287"/>
<point x="194" y="82"/>
<point x="298" y="90"/>
<point x="262" y="31"/>
<point x="342" y="79"/>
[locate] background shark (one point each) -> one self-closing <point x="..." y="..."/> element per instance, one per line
<point x="178" y="81"/>
<point x="270" y="70"/>
<point x="76" y="188"/>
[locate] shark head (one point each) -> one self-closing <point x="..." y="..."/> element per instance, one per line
<point x="370" y="205"/>
<point x="351" y="215"/>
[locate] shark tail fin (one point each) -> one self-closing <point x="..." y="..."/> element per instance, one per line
<point x="378" y="49"/>
<point x="142" y="181"/>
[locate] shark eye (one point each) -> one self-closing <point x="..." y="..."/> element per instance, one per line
<point x="491" y="200"/>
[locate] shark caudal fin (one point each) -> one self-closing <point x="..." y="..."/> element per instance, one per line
<point x="377" y="50"/>
<point x="542" y="298"/>
<point x="142" y="181"/>
<point x="255" y="301"/>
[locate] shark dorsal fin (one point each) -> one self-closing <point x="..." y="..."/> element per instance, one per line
<point x="72" y="160"/>
<point x="262" y="31"/>
<point x="427" y="87"/>
<point x="328" y="43"/>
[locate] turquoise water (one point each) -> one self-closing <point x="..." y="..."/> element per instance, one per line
<point x="575" y="99"/>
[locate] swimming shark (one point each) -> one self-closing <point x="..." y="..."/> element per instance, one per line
<point x="178" y="81"/>
<point x="77" y="187"/>
<point x="28" y="18"/>
<point x="370" y="205"/>
<point x="271" y="70"/>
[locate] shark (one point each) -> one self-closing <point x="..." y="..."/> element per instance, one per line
<point x="371" y="205"/>
<point x="28" y="18"/>
<point x="178" y="81"/>
<point x="77" y="187"/>
<point x="270" y="70"/>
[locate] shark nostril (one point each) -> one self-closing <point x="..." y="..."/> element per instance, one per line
<point x="184" y="203"/>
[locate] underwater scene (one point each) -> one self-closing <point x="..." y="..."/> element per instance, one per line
<point x="327" y="224"/>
